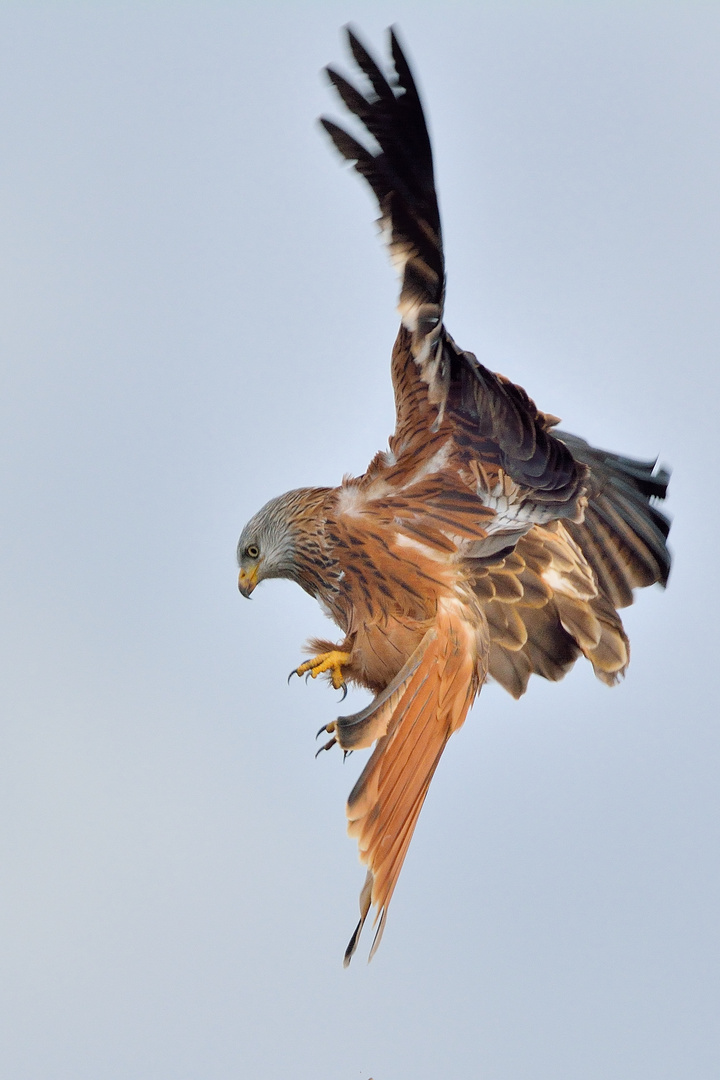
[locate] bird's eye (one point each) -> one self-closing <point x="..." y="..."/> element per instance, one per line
<point x="252" y="551"/>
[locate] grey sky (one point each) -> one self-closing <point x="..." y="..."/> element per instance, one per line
<point x="195" y="315"/>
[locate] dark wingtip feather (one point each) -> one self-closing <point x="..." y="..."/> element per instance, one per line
<point x="402" y="67"/>
<point x="350" y="97"/>
<point x="345" y="144"/>
<point x="367" y="64"/>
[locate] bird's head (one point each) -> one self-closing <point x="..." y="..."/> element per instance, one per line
<point x="272" y="544"/>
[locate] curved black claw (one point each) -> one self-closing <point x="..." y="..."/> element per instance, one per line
<point x="296" y="672"/>
<point x="343" y="687"/>
<point x="326" y="728"/>
<point x="327" y="746"/>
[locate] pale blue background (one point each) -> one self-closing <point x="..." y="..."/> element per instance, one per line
<point x="195" y="315"/>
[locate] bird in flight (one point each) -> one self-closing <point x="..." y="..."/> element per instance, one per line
<point x="483" y="543"/>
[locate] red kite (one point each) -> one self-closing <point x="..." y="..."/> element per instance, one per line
<point x="483" y="543"/>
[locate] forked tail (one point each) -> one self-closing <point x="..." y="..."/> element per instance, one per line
<point x="418" y="717"/>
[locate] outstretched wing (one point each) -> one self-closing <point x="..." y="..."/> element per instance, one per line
<point x="430" y="373"/>
<point x="623" y="535"/>
<point x="401" y="176"/>
<point x="554" y="598"/>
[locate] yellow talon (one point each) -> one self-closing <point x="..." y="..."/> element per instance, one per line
<point x="329" y="661"/>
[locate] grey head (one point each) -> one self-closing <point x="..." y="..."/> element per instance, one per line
<point x="281" y="540"/>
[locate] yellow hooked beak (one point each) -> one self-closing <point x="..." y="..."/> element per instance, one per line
<point x="247" y="581"/>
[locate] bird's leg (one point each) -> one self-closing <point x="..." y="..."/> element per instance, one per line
<point x="330" y="661"/>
